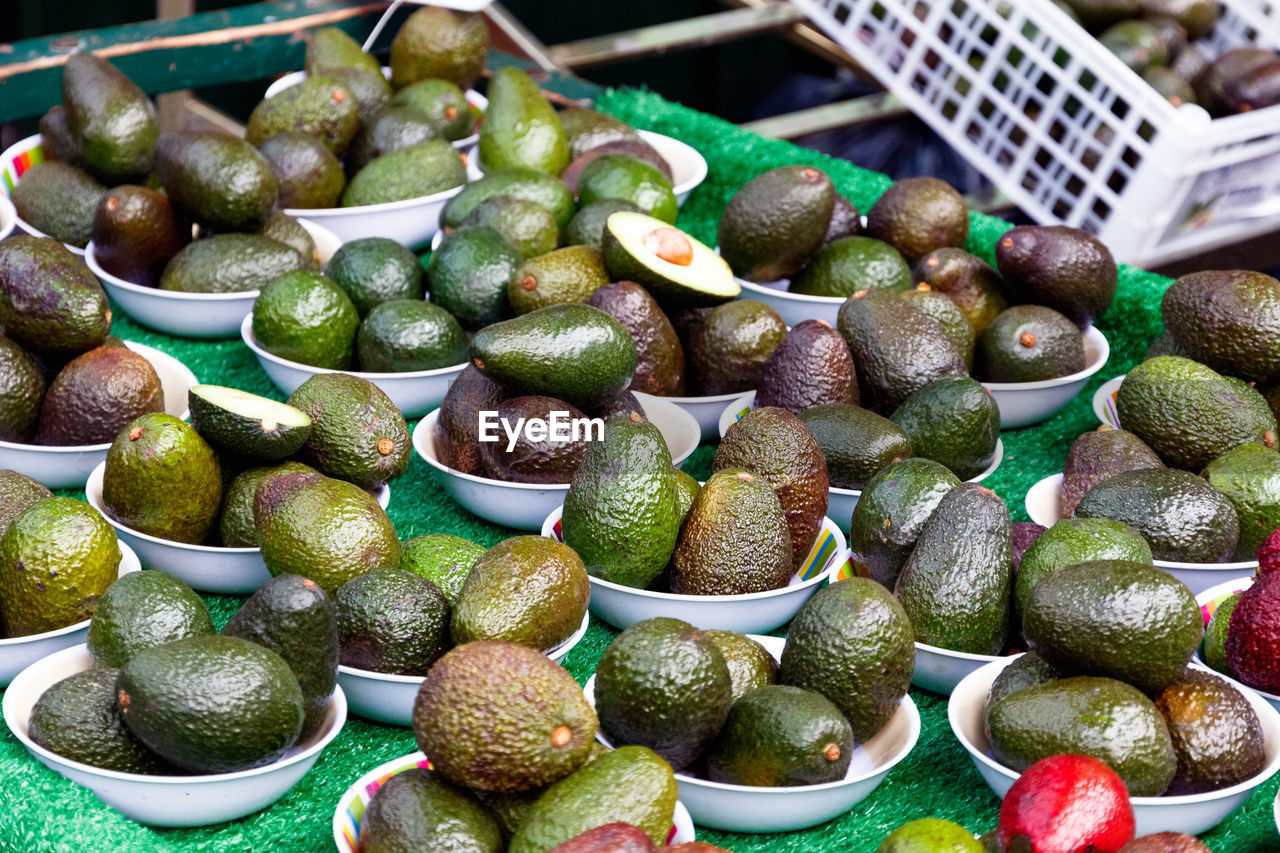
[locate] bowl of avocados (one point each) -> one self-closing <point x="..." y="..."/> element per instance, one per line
<point x="1044" y="502"/>
<point x="207" y="568"/>
<point x="351" y="807"/>
<point x="14" y="162"/>
<point x="388" y="698"/>
<point x="17" y="653"/>
<point x="165" y="800"/>
<point x="525" y="506"/>
<point x="749" y="808"/>
<point x="68" y="467"/>
<point x="1190" y="813"/>
<point x="753" y="612"/>
<point x="1026" y="403"/>
<point x="188" y="314"/>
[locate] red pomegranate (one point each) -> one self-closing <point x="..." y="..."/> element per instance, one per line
<point x="1066" y="804"/>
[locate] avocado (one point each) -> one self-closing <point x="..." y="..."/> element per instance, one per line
<point x="616" y="837"/>
<point x="528" y="227"/>
<point x="896" y="349"/>
<point x="845" y="221"/>
<point x="853" y="643"/>
<point x="664" y="685"/>
<point x="949" y="316"/>
<point x="443" y="103"/>
<point x="373" y="270"/>
<point x="1256" y="89"/>
<point x="165" y="697"/>
<point x="687" y="489"/>
<point x="1251" y="635"/>
<point x="855" y="443"/>
<point x="1170" y="85"/>
<point x="318" y="106"/>
<point x="49" y="301"/>
<point x="627" y="178"/>
<point x="330" y="47"/>
<point x="294" y="618"/>
<point x="357" y="433"/>
<point x="520" y="182"/>
<point x="1228" y="320"/>
<point x="437" y="42"/>
<point x="570" y="274"/>
<point x="417" y="809"/>
<point x="587" y="226"/>
<point x="520" y="128"/>
<point x="734" y="347"/>
<point x="1197" y="17"/>
<point x="1213" y="648"/>
<point x="630" y="785"/>
<point x="59" y="144"/>
<point x="953" y="420"/>
<point x="1030" y="343"/>
<point x="392" y="130"/>
<point x="392" y="621"/>
<point x="781" y="736"/>
<point x="586" y="129"/>
<point x="811" y="367"/>
<point x="1027" y="670"/>
<point x="1182" y="517"/>
<point x="17" y="492"/>
<point x="1215" y="731"/>
<point x="1211" y="83"/>
<point x="660" y="362"/>
<point x="750" y="664"/>
<point x="957" y="584"/>
<point x="734" y="539"/>
<point x="930" y="834"/>
<point x="289" y="231"/>
<point x="1098" y="717"/>
<point x="1189" y="414"/>
<point x="892" y="511"/>
<point x="502" y="717"/>
<point x="77" y="718"/>
<point x="1096" y="14"/>
<point x="623" y="404"/>
<point x="59" y="200"/>
<point x="775" y="445"/>
<point x="21" y="392"/>
<point x="236" y="524"/>
<point x="776" y="222"/>
<point x="162" y="479"/>
<point x="110" y="117"/>
<point x="441" y="558"/>
<point x="1095" y="456"/>
<point x="632" y="148"/>
<point x="418" y="170"/>
<point x="216" y="179"/>
<point x="230" y="263"/>
<point x="135" y="232"/>
<point x="517" y="457"/>
<point x="327" y="530"/>
<point x="304" y="317"/>
<point x="371" y="91"/>
<point x="850" y="265"/>
<point x="1063" y="268"/>
<point x="677" y="269"/>
<point x="532" y="354"/>
<point x="1114" y="618"/>
<point x="237" y="423"/>
<point x="1249" y="475"/>
<point x="470" y="273"/>
<point x="976" y="288"/>
<point x="409" y="335"/>
<point x="917" y="216"/>
<point x="458" y="427"/>
<point x="1136" y="43"/>
<point x="142" y="610"/>
<point x="95" y="395"/>
<point x="1076" y="540"/>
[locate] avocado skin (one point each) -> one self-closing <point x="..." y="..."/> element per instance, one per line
<point x="135" y="233"/>
<point x="529" y="228"/>
<point x="235" y="521"/>
<point x="571" y="274"/>
<point x="856" y="443"/>
<point x="587" y="226"/>
<point x="531" y="461"/>
<point x="437" y="42"/>
<point x="216" y="179"/>
<point x="357" y="433"/>
<point x="1212" y="81"/>
<point x="1027" y="670"/>
<point x="893" y="510"/>
<point x="750" y="664"/>
<point x="458" y="427"/>
<point x="441" y="558"/>
<point x="1076" y="540"/>
<point x="1229" y="320"/>
<point x="919" y="215"/>
<point x="319" y="106"/>
<point x="419" y="810"/>
<point x="230" y="263"/>
<point x="17" y="492"/>
<point x="168" y="700"/>
<point x="521" y="182"/>
<point x="534" y="354"/>
<point x="21" y="393"/>
<point x="1030" y="343"/>
<point x="853" y="643"/>
<point x="1182" y="517"/>
<point x="953" y="420"/>
<point x="111" y="118"/>
<point x="1215" y="731"/>
<point x="422" y="169"/>
<point x="1063" y="268"/>
<point x="664" y="685"/>
<point x="774" y="223"/>
<point x="585" y="129"/>
<point x="404" y="335"/>
<point x="96" y="394"/>
<point x="520" y="127"/>
<point x="976" y="288"/>
<point x="948" y="315"/>
<point x="1099" y="717"/>
<point x="294" y="618"/>
<point x="469" y="275"/>
<point x="1114" y="618"/>
<point x="59" y="144"/>
<point x="1213" y="648"/>
<point x="660" y="360"/>
<point x="811" y="367"/>
<point x="1249" y="475"/>
<point x="896" y="349"/>
<point x="59" y="200"/>
<point x="778" y="736"/>
<point x="734" y="347"/>
<point x="142" y="610"/>
<point x="49" y="301"/>
<point x="391" y="620"/>
<point x="307" y="173"/>
<point x="957" y="584"/>
<point x="1095" y="456"/>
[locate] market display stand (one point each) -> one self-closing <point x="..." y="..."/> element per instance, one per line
<point x="41" y="812"/>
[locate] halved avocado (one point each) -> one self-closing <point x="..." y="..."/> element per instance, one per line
<point x="241" y="424"/>
<point x="674" y="267"/>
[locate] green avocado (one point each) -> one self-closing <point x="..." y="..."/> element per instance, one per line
<point x="142" y="610"/>
<point x="392" y="621"/>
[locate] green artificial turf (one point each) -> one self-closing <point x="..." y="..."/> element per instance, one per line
<point x="40" y="811"/>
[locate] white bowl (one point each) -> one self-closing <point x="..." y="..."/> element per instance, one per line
<point x="524" y="506"/>
<point x="939" y="670"/>
<point x="68" y="467"/>
<point x="389" y="699"/>
<point x="752" y="612"/>
<point x="1208" y="601"/>
<point x="207" y="568"/>
<point x="414" y="392"/>
<point x="793" y="308"/>
<point x="1026" y="403"/>
<point x="1044" y="501"/>
<point x="1189" y="813"/>
<point x="8" y="217"/>
<point x="752" y="808"/>
<point x="350" y="810"/>
<point x="14" y="161"/>
<point x="193" y="315"/>
<point x="165" y="800"/>
<point x="1104" y="402"/>
<point x="708" y="411"/>
<point x="840" y="502"/>
<point x="18" y="653"/>
<point x="474" y="98"/>
<point x="688" y="167"/>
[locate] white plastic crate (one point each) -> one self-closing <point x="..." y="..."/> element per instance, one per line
<point x="1064" y="128"/>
